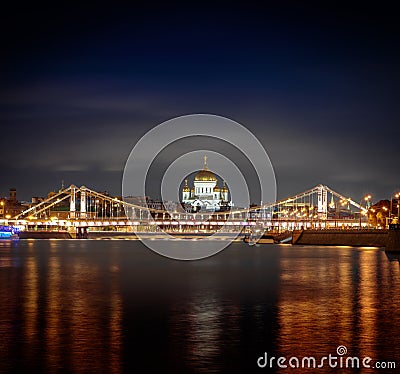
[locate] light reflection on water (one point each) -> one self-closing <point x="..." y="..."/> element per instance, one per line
<point x="204" y="329"/>
<point x="59" y="311"/>
<point x="328" y="300"/>
<point x="53" y="313"/>
<point x="101" y="306"/>
<point x="30" y="308"/>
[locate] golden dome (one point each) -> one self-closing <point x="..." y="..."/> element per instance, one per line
<point x="205" y="175"/>
<point x="224" y="188"/>
<point x="186" y="187"/>
<point x="217" y="189"/>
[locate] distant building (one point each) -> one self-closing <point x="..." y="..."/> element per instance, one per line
<point x="205" y="194"/>
<point x="10" y="207"/>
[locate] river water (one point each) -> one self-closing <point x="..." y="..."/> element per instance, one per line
<point x="115" y="306"/>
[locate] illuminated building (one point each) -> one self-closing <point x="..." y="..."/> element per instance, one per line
<point x="10" y="207"/>
<point x="205" y="193"/>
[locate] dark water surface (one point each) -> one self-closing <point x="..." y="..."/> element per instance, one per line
<point x="115" y="306"/>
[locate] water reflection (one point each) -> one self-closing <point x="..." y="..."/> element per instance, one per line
<point x="95" y="317"/>
<point x="368" y="300"/>
<point x="112" y="307"/>
<point x="204" y="329"/>
<point x="328" y="300"/>
<point x="8" y="307"/>
<point x="393" y="256"/>
<point x="203" y="332"/>
<point x="54" y="312"/>
<point x="30" y="307"/>
<point x="115" y="320"/>
<point x="5" y="254"/>
<point x="64" y="312"/>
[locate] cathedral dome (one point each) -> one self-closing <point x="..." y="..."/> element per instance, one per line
<point x="205" y="175"/>
<point x="186" y="187"/>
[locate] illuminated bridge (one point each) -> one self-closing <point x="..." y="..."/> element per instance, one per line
<point x="76" y="208"/>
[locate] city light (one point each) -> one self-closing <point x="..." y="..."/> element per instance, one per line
<point x="364" y="210"/>
<point x="301" y="210"/>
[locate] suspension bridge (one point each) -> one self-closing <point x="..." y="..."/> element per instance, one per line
<point x="81" y="208"/>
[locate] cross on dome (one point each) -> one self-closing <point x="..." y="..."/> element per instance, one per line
<point x="205" y="167"/>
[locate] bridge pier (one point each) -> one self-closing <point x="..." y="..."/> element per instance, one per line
<point x="81" y="233"/>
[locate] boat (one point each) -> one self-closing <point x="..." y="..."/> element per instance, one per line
<point x="8" y="232"/>
<point x="264" y="239"/>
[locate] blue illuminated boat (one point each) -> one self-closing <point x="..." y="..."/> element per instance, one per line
<point x="9" y="232"/>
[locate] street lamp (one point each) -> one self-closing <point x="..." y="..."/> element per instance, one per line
<point x="366" y="198"/>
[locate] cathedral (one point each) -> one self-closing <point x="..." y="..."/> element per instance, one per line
<point x="205" y="194"/>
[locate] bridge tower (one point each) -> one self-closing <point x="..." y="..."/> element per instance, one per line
<point x="83" y="202"/>
<point x="322" y="201"/>
<point x="72" y="202"/>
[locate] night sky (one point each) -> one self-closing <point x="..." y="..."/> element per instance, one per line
<point x="317" y="84"/>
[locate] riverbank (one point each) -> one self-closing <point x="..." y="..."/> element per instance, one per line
<point x="123" y="235"/>
<point x="44" y="235"/>
<point x="354" y="238"/>
<point x="390" y="239"/>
